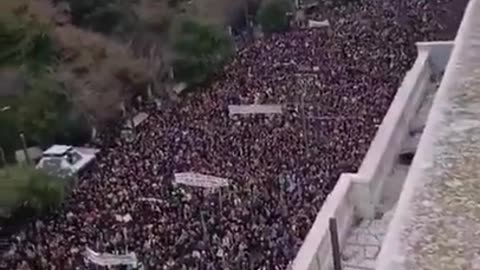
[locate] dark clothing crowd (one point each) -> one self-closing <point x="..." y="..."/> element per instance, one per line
<point x="335" y="85"/>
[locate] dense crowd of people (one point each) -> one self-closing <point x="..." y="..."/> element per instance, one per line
<point x="335" y="84"/>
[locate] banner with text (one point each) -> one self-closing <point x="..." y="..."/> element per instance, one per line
<point x="107" y="259"/>
<point x="200" y="180"/>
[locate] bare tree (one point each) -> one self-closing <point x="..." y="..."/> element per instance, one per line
<point x="98" y="73"/>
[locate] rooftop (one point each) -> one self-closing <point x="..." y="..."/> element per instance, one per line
<point x="437" y="222"/>
<point x="57" y="150"/>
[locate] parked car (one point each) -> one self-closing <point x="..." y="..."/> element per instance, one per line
<point x="65" y="160"/>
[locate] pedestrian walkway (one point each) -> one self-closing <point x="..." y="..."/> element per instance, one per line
<point x="364" y="243"/>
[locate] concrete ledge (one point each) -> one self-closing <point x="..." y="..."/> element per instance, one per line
<point x="396" y="252"/>
<point x="378" y="162"/>
<point x="315" y="253"/>
<point x="439" y="54"/>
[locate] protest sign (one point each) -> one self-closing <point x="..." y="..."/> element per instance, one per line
<point x="200" y="180"/>
<point x="255" y="109"/>
<point x="107" y="259"/>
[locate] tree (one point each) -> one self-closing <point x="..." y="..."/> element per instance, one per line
<point x="39" y="110"/>
<point x="200" y="50"/>
<point x="98" y="74"/>
<point x="75" y="129"/>
<point x="82" y="9"/>
<point x="42" y="192"/>
<point x="23" y="186"/>
<point x="43" y="113"/>
<point x="104" y="16"/>
<point x="155" y="16"/>
<point x="26" y="46"/>
<point x="25" y="39"/>
<point x="273" y="15"/>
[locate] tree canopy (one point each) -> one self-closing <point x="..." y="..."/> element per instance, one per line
<point x="200" y="50"/>
<point x="98" y="74"/>
<point x="105" y="16"/>
<point x="23" y="186"/>
<point x="25" y="40"/>
<point x="44" y="114"/>
<point x="26" y="46"/>
<point x="273" y="15"/>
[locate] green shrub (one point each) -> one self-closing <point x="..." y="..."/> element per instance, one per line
<point x="200" y="50"/>
<point x="24" y="186"/>
<point x="40" y="110"/>
<point x="273" y="15"/>
<point x="26" y="46"/>
<point x="81" y="10"/>
<point x="25" y="42"/>
<point x="43" y="192"/>
<point x="46" y="116"/>
<point x="104" y="16"/>
<point x="74" y="130"/>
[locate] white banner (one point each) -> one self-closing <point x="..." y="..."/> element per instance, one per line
<point x="318" y="24"/>
<point x="107" y="259"/>
<point x="200" y="180"/>
<point x="255" y="109"/>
